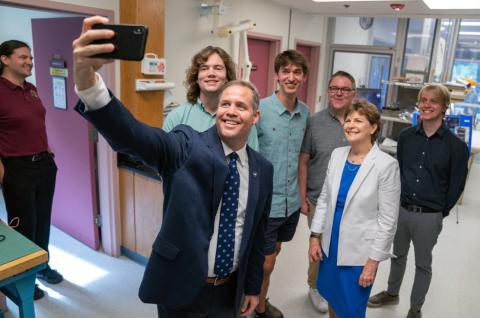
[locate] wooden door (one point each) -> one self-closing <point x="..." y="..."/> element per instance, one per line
<point x="308" y="92"/>
<point x="259" y="52"/>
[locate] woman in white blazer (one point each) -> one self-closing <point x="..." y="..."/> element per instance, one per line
<point x="356" y="215"/>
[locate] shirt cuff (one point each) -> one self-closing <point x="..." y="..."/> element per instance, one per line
<point x="95" y="97"/>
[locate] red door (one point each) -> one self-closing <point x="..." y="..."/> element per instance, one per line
<point x="307" y="52"/>
<point x="75" y="200"/>
<point x="259" y="52"/>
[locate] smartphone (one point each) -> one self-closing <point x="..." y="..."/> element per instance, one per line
<point x="129" y="41"/>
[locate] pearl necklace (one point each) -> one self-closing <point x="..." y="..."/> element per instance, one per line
<point x="350" y="165"/>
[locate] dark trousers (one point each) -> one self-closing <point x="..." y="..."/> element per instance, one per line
<point x="28" y="188"/>
<point x="422" y="229"/>
<point x="212" y="302"/>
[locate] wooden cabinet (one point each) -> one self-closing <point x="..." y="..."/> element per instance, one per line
<point x="145" y="106"/>
<point x="141" y="210"/>
<point x="127" y="207"/>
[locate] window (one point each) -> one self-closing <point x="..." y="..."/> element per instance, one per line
<point x="370" y="70"/>
<point x="466" y="66"/>
<point x="418" y="49"/>
<point x="445" y="45"/>
<point x="467" y="54"/>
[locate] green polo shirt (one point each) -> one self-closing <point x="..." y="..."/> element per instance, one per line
<point x="199" y="119"/>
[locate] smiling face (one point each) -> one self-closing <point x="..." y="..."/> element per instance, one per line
<point x="290" y="79"/>
<point x="236" y="115"/>
<point x="340" y="93"/>
<point x="357" y="128"/>
<point x="432" y="108"/>
<point x="212" y="75"/>
<point x="19" y="64"/>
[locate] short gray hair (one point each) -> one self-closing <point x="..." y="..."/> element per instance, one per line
<point x="250" y="86"/>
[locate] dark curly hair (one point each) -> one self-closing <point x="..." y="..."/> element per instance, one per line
<point x="291" y="57"/>
<point x="193" y="90"/>
<point x="7" y="48"/>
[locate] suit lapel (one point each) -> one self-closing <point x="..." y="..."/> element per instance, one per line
<point x="220" y="169"/>
<point x="253" y="189"/>
<point x="337" y="168"/>
<point x="362" y="173"/>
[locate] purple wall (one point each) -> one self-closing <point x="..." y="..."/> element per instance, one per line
<point x="75" y="202"/>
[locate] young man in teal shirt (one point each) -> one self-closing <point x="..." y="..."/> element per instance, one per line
<point x="211" y="68"/>
<point x="280" y="133"/>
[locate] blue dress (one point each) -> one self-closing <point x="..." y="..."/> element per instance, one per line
<point x="339" y="284"/>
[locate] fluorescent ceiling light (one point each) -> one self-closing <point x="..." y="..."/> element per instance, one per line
<point x="449" y="4"/>
<point x="470" y="23"/>
<point x="468" y="33"/>
<point x="351" y="1"/>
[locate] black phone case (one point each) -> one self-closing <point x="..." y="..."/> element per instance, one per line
<point x="129" y="41"/>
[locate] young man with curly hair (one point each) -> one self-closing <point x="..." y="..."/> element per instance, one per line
<point x="210" y="69"/>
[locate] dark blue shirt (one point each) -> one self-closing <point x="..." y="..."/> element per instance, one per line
<point x="433" y="169"/>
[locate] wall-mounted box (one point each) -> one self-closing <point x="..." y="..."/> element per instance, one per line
<point x="152" y="65"/>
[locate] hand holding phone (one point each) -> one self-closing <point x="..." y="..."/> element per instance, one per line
<point x="129" y="41"/>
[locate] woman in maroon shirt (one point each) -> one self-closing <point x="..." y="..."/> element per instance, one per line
<point x="27" y="167"/>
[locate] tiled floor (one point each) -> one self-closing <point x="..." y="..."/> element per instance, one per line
<point x="453" y="292"/>
<point x="101" y="286"/>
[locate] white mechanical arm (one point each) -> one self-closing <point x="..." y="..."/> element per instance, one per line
<point x="244" y="63"/>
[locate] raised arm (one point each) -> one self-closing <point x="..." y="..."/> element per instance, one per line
<point x="84" y="67"/>
<point x="157" y="149"/>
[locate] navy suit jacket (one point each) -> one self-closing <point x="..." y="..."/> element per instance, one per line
<point x="193" y="169"/>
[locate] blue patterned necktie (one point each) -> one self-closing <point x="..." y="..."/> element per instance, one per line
<point x="228" y="218"/>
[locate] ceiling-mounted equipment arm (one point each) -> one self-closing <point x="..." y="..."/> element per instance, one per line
<point x="244" y="63"/>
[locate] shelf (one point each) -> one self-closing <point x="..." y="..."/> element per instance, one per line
<point x="152" y="85"/>
<point x="404" y="84"/>
<point x="395" y="119"/>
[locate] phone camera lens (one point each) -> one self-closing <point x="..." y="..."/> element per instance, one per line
<point x="137" y="31"/>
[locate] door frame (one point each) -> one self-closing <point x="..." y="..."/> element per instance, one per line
<point x="106" y="158"/>
<point x="275" y="45"/>
<point x="313" y="71"/>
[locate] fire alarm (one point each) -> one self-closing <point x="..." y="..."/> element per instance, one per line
<point x="397" y="6"/>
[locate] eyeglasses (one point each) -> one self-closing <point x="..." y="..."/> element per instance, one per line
<point x="343" y="90"/>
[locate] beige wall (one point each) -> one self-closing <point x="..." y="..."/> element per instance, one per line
<point x="186" y="32"/>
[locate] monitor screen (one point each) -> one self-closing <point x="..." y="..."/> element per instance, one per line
<point x="373" y="95"/>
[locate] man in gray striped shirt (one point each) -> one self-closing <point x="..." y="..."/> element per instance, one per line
<point x="324" y="133"/>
